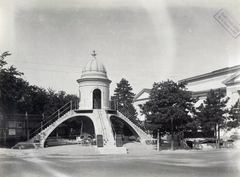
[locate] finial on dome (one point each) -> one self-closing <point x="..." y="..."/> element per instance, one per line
<point x="94" y="54"/>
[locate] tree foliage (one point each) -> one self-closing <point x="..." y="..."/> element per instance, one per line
<point x="234" y="116"/>
<point x="56" y="100"/>
<point x="169" y="107"/>
<point x="123" y="97"/>
<point x="212" y="112"/>
<point x="123" y="92"/>
<point x="17" y="96"/>
<point x="2" y="61"/>
<point x="12" y="89"/>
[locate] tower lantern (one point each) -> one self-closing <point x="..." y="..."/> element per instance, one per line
<point x="94" y="85"/>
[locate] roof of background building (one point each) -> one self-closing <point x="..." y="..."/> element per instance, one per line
<point x="140" y="93"/>
<point x="216" y="73"/>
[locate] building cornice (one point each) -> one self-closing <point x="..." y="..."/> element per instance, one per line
<point x="141" y="92"/>
<point x="216" y="73"/>
<point x="142" y="99"/>
<point x="94" y="79"/>
<point x="203" y="93"/>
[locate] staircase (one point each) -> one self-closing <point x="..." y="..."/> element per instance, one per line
<point x="40" y="132"/>
<point x="143" y="135"/>
<point x="130" y="116"/>
<point x="133" y="121"/>
<point x="107" y="131"/>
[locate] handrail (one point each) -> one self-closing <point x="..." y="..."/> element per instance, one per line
<point x="101" y="120"/>
<point x="113" y="129"/>
<point x="142" y="131"/>
<point x="50" y="119"/>
<point x="103" y="125"/>
<point x="131" y="117"/>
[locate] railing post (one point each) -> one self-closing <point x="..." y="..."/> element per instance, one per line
<point x="58" y="114"/>
<point x="41" y="126"/>
<point x="158" y="140"/>
<point x="71" y="105"/>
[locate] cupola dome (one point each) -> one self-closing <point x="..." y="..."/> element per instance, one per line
<point x="94" y="69"/>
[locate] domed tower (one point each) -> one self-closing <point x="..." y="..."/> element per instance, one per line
<point x="94" y="113"/>
<point x="94" y="85"/>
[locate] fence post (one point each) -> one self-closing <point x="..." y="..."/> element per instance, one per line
<point x="27" y="125"/>
<point x="58" y="114"/>
<point x="71" y="105"/>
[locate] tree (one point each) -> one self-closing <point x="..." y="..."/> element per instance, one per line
<point x="212" y="113"/>
<point x="18" y="96"/>
<point x="33" y="100"/>
<point x="56" y="100"/>
<point x="234" y="116"/>
<point x="169" y="107"/>
<point x="123" y="93"/>
<point x="2" y="62"/>
<point x="123" y="97"/>
<point x="12" y="87"/>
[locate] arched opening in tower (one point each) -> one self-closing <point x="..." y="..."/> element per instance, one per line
<point x="68" y="131"/>
<point x="97" y="97"/>
<point x="122" y="128"/>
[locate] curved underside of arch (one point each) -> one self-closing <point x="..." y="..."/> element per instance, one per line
<point x="137" y="131"/>
<point x="88" y="123"/>
<point x="73" y="127"/>
<point x="121" y="126"/>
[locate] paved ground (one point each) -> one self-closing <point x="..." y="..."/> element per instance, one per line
<point x="75" y="160"/>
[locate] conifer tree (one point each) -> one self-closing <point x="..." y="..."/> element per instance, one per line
<point x="123" y="93"/>
<point x="212" y="113"/>
<point x="234" y="116"/>
<point x="123" y="97"/>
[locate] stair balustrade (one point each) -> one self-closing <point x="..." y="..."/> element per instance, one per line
<point x="105" y="137"/>
<point x="129" y="115"/>
<point x="64" y="110"/>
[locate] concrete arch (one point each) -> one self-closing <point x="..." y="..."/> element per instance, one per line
<point x="116" y="118"/>
<point x="44" y="134"/>
<point x="73" y="127"/>
<point x="138" y="132"/>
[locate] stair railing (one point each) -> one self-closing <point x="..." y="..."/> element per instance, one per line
<point x="50" y="119"/>
<point x="101" y="121"/>
<point x="130" y="116"/>
<point x="113" y="129"/>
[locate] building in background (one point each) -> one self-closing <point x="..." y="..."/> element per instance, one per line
<point x="141" y="98"/>
<point x="226" y="79"/>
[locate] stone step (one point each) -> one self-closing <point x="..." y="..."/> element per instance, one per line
<point x="112" y="150"/>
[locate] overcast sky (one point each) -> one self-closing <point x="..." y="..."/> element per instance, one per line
<point x="143" y="41"/>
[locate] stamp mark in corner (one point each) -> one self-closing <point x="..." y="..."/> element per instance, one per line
<point x="228" y="22"/>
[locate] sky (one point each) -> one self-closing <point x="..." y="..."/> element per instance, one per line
<point x="142" y="41"/>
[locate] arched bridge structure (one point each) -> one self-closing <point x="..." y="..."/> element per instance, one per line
<point x="102" y="124"/>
